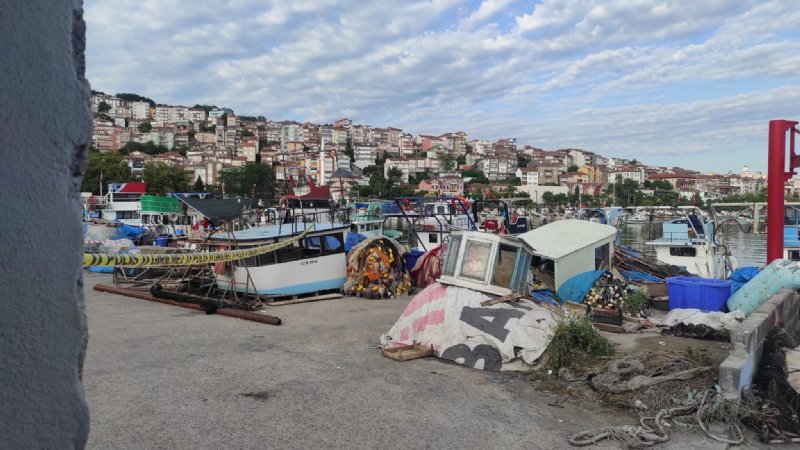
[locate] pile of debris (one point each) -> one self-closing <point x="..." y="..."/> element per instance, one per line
<point x="638" y="267"/>
<point x="375" y="269"/>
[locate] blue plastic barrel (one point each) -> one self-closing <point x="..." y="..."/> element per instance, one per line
<point x="705" y="294"/>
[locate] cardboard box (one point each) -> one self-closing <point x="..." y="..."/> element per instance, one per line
<point x="656" y="289"/>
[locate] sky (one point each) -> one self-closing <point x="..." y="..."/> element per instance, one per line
<point x="674" y="83"/>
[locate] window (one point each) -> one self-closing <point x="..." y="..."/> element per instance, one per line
<point x="601" y="256"/>
<point x="290" y="253"/>
<point x="433" y="238"/>
<point x="312" y="247"/>
<point x="505" y="262"/>
<point x="451" y="255"/>
<point x="682" y="251"/>
<point x="476" y="259"/>
<point x="334" y="243"/>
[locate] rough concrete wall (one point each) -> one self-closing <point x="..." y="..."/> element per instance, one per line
<point x="45" y="128"/>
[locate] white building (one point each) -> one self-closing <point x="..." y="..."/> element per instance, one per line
<point x="498" y="167"/>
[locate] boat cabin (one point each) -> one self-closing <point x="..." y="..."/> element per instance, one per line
<point x="485" y="262"/>
<point x="501" y="264"/>
<point x="565" y="248"/>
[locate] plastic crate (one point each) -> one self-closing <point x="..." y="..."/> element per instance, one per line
<point x="705" y="294"/>
<point x="607" y="316"/>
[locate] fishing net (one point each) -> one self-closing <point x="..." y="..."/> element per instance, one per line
<point x="771" y="405"/>
<point x="375" y="269"/>
<point x="429" y="266"/>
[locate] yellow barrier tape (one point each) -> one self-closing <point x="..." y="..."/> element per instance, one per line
<point x="184" y="259"/>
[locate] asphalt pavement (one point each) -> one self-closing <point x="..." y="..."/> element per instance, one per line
<point x="160" y="376"/>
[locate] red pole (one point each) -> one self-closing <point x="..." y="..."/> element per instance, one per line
<point x="776" y="177"/>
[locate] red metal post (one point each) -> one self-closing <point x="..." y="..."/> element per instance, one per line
<point x="776" y="177"/>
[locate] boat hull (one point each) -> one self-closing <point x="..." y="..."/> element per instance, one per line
<point x="289" y="278"/>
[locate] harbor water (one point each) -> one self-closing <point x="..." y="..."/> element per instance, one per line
<point x="749" y="248"/>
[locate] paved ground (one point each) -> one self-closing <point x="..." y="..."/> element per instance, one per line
<point x="160" y="376"/>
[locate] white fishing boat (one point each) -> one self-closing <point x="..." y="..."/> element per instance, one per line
<point x="122" y="203"/>
<point x="427" y="221"/>
<point x="689" y="243"/>
<point x="314" y="263"/>
<point x="366" y="218"/>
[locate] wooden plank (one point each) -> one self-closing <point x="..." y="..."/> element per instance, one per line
<point x="407" y="352"/>
<point x="306" y="299"/>
<point x="502" y="299"/>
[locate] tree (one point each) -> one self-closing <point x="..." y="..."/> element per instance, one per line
<point x="181" y="150"/>
<point x="149" y="147"/>
<point x="206" y="108"/>
<point x="573" y="168"/>
<point x="349" y="151"/>
<point x="477" y="176"/>
<point x="446" y="162"/>
<point x="250" y="180"/>
<point x="523" y="160"/>
<point x="461" y="160"/>
<point x="547" y="197"/>
<point x="145" y="127"/>
<point x="199" y="186"/>
<point x="135" y="98"/>
<point x="247" y="133"/>
<point x="110" y="166"/>
<point x="103" y="107"/>
<point x="162" y="178"/>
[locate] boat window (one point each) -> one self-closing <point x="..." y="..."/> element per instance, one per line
<point x="476" y="259"/>
<point x="312" y="247"/>
<point x="601" y="255"/>
<point x="290" y="253"/>
<point x="682" y="251"/>
<point x="453" y="247"/>
<point x="334" y="243"/>
<point x="433" y="238"/>
<point x="504" y="264"/>
<point x="794" y="255"/>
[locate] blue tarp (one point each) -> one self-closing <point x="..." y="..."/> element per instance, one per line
<point x="576" y="288"/>
<point x="635" y="275"/>
<point x="126" y="231"/>
<point x="742" y="275"/>
<point x="352" y="240"/>
<point x="545" y="295"/>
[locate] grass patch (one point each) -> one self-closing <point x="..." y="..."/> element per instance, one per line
<point x="575" y="338"/>
<point x="700" y="356"/>
<point x="636" y="303"/>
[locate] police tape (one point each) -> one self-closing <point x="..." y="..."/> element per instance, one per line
<point x="184" y="259"/>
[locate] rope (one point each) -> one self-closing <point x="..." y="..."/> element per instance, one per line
<point x="646" y="435"/>
<point x="184" y="259"/>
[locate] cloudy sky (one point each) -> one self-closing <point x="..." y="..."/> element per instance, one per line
<point x="689" y="83"/>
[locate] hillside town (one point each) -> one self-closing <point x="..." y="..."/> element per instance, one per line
<point x="206" y="140"/>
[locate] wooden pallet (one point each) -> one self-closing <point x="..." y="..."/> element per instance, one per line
<point x="408" y="352"/>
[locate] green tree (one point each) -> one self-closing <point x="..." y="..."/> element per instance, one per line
<point x="135" y="98"/>
<point x="573" y="168"/>
<point x="461" y="160"/>
<point x="548" y="197"/>
<point x="250" y="180"/>
<point x="477" y="176"/>
<point x="162" y="178"/>
<point x="206" y="108"/>
<point x="145" y="127"/>
<point x="198" y="186"/>
<point x="103" y="107"/>
<point x="149" y="147"/>
<point x="626" y="192"/>
<point x="523" y="160"/>
<point x="446" y="162"/>
<point x="349" y="151"/>
<point x="247" y="133"/>
<point x="110" y="166"/>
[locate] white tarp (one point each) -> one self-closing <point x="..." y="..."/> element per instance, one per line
<point x="452" y="321"/>
<point x="716" y="320"/>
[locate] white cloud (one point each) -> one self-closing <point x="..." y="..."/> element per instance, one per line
<point x="443" y="65"/>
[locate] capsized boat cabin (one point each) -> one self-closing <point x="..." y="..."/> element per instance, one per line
<point x="500" y="264"/>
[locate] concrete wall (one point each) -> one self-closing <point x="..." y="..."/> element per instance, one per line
<point x="45" y="128"/>
<point x="738" y="369"/>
